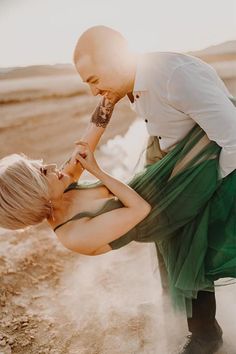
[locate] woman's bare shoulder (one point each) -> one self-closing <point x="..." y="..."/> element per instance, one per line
<point x="72" y="236"/>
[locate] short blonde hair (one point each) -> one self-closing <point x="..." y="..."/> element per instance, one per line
<point x="24" y="192"/>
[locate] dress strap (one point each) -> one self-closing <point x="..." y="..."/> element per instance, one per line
<point x="108" y="205"/>
<point x="83" y="185"/>
<point x="75" y="217"/>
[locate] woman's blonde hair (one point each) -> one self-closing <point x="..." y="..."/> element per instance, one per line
<point x="24" y="192"/>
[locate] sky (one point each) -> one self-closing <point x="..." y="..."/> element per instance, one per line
<point x="45" y="31"/>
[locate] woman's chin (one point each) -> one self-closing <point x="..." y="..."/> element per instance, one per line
<point x="65" y="179"/>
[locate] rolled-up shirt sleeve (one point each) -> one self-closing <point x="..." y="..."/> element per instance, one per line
<point x="196" y="92"/>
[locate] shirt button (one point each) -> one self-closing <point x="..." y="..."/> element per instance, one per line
<point x="146" y="120"/>
<point x="137" y="96"/>
<point x="159" y="137"/>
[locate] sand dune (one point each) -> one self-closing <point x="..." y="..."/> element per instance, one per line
<point x="44" y="87"/>
<point x="37" y="70"/>
<point x="50" y="107"/>
<point x="221" y="52"/>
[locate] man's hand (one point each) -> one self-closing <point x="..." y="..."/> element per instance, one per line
<point x="86" y="158"/>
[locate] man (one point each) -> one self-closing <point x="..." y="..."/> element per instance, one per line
<point x="172" y="92"/>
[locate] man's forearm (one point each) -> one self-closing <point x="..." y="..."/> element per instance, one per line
<point x="103" y="112"/>
<point x="97" y="125"/>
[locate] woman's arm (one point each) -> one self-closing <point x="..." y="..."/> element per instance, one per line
<point x="93" y="233"/>
<point x="92" y="135"/>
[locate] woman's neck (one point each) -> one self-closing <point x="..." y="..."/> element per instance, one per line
<point x="60" y="205"/>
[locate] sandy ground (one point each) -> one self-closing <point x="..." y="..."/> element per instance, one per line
<point x="59" y="302"/>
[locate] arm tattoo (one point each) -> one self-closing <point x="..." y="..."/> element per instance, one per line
<point x="103" y="112"/>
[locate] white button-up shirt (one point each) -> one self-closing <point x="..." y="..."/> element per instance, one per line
<point x="174" y="91"/>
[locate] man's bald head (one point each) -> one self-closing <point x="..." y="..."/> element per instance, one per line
<point x="100" y="42"/>
<point x="103" y="60"/>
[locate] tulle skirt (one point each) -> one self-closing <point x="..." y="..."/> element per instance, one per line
<point x="193" y="216"/>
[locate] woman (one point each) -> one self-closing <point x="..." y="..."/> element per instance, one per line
<point x="178" y="202"/>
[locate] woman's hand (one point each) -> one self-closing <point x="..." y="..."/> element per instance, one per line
<point x="86" y="158"/>
<point x="72" y="167"/>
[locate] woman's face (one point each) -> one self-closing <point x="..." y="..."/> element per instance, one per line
<point x="57" y="180"/>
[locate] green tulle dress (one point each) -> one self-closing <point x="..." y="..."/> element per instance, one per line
<point x="192" y="221"/>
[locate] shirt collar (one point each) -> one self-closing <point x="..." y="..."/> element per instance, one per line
<point x="140" y="81"/>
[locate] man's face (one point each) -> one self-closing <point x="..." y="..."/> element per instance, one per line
<point x="102" y="78"/>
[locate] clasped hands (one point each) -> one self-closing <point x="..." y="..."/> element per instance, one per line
<point x="81" y="158"/>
